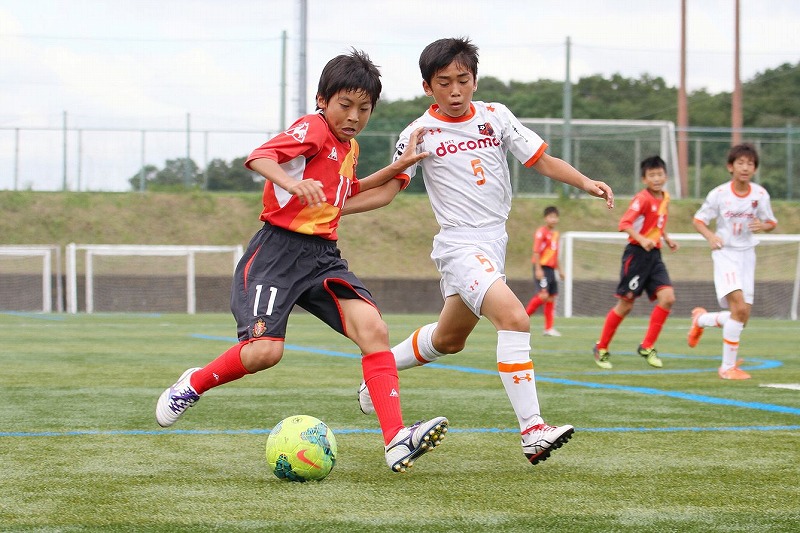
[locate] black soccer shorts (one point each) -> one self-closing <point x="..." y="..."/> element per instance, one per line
<point x="281" y="268"/>
<point x="642" y="271"/>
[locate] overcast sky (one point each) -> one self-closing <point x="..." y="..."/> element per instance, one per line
<point x="144" y="60"/>
<point x="150" y="63"/>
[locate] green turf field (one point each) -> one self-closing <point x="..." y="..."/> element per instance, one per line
<point x="675" y="449"/>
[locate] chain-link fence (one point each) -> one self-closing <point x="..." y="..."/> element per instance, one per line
<point x="98" y="159"/>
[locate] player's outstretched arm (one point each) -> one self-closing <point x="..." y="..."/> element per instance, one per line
<point x="374" y="198"/>
<point x="410" y="156"/>
<point x="560" y="170"/>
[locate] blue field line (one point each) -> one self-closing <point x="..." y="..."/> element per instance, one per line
<point x="40" y="316"/>
<point x="763" y="364"/>
<point x="359" y="431"/>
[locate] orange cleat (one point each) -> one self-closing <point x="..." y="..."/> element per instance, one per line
<point x="734" y="373"/>
<point x="695" y="332"/>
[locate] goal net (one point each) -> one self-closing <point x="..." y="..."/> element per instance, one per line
<point x="30" y="278"/>
<point x="148" y="278"/>
<point x="608" y="150"/>
<point x="591" y="263"/>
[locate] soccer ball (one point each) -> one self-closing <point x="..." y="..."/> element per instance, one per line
<point x="301" y="448"/>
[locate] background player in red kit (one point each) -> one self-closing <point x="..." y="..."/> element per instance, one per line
<point x="545" y="267"/>
<point x="642" y="268"/>
<point x="293" y="259"/>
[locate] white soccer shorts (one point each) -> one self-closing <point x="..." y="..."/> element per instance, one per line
<point x="470" y="260"/>
<point x="734" y="269"/>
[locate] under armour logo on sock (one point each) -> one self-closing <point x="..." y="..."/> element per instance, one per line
<point x="393" y="394"/>
<point x="216" y="376"/>
<point x="517" y="378"/>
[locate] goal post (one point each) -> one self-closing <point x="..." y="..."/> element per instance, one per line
<point x="132" y="277"/>
<point x="26" y="270"/>
<point x="591" y="263"/>
<point x="612" y="148"/>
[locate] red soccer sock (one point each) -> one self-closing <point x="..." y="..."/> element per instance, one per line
<point x="549" y="314"/>
<point x="533" y="305"/>
<point x="380" y="375"/>
<point x="227" y="367"/>
<point x="613" y="320"/>
<point x="657" y="319"/>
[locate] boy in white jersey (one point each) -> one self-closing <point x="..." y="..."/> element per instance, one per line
<point x="741" y="209"/>
<point x="469" y="187"/>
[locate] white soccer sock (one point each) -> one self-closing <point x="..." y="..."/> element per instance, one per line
<point x="417" y="349"/>
<point x="716" y="320"/>
<point x="516" y="372"/>
<point x="731" y="332"/>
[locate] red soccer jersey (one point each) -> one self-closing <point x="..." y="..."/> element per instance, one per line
<point x="545" y="243"/>
<point x="647" y="215"/>
<point x="309" y="150"/>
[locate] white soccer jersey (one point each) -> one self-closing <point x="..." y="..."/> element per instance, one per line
<point x="466" y="175"/>
<point x="734" y="213"/>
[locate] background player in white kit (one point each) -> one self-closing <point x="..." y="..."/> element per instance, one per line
<point x="741" y="209"/>
<point x="468" y="183"/>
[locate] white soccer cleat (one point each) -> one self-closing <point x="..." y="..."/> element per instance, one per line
<point x="552" y="332"/>
<point x="175" y="400"/>
<point x="539" y="440"/>
<point x="365" y="400"/>
<point x="413" y="441"/>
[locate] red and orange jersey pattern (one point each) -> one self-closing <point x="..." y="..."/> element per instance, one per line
<point x="309" y="150"/>
<point x="545" y="243"/>
<point x="647" y="215"/>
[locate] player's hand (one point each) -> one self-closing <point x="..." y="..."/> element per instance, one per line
<point x="647" y="244"/>
<point x="600" y="189"/>
<point x="756" y="226"/>
<point x="716" y="242"/>
<point x="672" y="245"/>
<point x="309" y="192"/>
<point x="413" y="152"/>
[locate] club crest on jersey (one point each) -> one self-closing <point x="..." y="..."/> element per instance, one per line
<point x="754" y="203"/>
<point x="259" y="328"/>
<point x="332" y="155"/>
<point x="298" y="133"/>
<point x="486" y="129"/>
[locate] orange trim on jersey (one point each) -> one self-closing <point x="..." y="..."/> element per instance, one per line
<point x="730" y="343"/>
<point x="405" y="178"/>
<point x="433" y="111"/>
<point x="532" y="161"/>
<point x="515" y="367"/>
<point x="700" y="221"/>
<point x="744" y="195"/>
<point x="415" y="346"/>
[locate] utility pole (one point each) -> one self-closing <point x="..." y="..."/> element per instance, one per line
<point x="301" y="78"/>
<point x="282" y="124"/>
<point x="683" y="113"/>
<point x="736" y="101"/>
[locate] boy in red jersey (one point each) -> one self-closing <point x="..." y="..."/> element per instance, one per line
<point x="545" y="267"/>
<point x="294" y="260"/>
<point x="741" y="209"/>
<point x="642" y="267"/>
<point x="469" y="187"/>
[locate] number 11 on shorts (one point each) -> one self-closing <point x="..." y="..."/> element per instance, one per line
<point x="272" y="292"/>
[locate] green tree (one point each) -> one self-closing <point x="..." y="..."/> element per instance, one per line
<point x="220" y="176"/>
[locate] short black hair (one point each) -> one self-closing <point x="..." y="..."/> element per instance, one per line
<point x="550" y="209"/>
<point x="441" y="53"/>
<point x="652" y="163"/>
<point x="743" y="150"/>
<point x="350" y="72"/>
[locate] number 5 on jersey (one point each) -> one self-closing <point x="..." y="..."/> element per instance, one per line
<point x="477" y="169"/>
